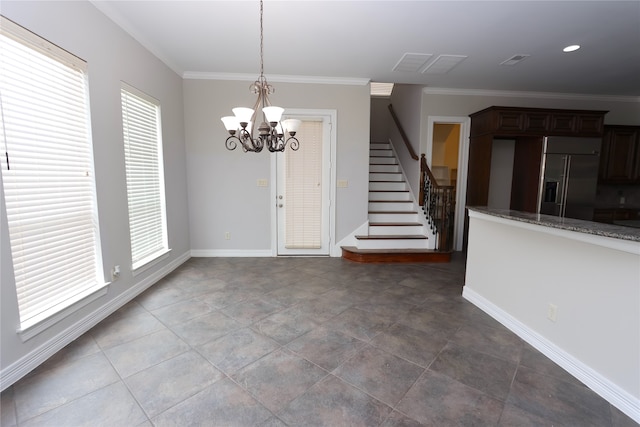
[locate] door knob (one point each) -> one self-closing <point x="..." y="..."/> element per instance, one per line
<point x="280" y="205"/>
<point x="280" y="197"/>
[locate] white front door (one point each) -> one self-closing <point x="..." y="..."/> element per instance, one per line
<point x="303" y="190"/>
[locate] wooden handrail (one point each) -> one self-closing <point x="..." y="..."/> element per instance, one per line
<point x="412" y="153"/>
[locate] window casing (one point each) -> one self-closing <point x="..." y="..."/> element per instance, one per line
<point x="47" y="177"/>
<point x="145" y="176"/>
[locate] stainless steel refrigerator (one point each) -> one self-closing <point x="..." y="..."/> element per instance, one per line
<point x="569" y="177"/>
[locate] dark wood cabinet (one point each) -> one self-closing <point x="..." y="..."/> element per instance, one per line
<point x="527" y="157"/>
<point x="527" y="127"/>
<point x="610" y="215"/>
<point x="620" y="156"/>
<point x="514" y="121"/>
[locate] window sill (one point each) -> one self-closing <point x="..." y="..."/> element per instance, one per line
<point x="49" y="318"/>
<point x="149" y="262"/>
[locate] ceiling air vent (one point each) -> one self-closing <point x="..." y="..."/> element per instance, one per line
<point x="412" y="62"/>
<point x="515" y="59"/>
<point x="443" y="64"/>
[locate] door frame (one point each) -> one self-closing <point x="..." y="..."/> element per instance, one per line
<point x="463" y="165"/>
<point x="311" y="112"/>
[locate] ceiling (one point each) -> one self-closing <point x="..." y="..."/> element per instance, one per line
<point x="358" y="41"/>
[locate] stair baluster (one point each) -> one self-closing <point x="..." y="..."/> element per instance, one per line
<point x="438" y="204"/>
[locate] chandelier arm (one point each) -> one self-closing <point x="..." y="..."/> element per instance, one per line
<point x="231" y="143"/>
<point x="293" y="142"/>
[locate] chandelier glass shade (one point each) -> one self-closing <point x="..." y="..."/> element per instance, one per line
<point x="271" y="132"/>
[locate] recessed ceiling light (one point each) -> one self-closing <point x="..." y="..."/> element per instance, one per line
<point x="571" y="48"/>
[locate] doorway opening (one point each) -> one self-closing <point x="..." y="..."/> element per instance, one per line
<point x="447" y="157"/>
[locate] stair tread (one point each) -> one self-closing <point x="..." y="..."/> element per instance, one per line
<point x="352" y="253"/>
<point x="401" y="224"/>
<point x="391" y="237"/>
<point x="384" y="251"/>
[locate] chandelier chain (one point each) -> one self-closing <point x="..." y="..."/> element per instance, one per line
<point x="261" y="45"/>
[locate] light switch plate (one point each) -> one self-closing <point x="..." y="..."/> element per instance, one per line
<point x="343" y="183"/>
<point x="262" y="183"/>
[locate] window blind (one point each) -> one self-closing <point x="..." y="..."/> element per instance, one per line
<point x="47" y="174"/>
<point x="145" y="176"/>
<point x="303" y="177"/>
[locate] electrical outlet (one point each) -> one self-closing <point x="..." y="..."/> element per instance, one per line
<point x="227" y="235"/>
<point x="115" y="273"/>
<point x="342" y="183"/>
<point x="552" y="312"/>
<point x="262" y="183"/>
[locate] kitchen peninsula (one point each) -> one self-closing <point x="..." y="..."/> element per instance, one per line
<point x="570" y="288"/>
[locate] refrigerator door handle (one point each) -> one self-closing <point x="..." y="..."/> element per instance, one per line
<point x="565" y="185"/>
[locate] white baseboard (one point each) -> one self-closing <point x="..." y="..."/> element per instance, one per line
<point x="231" y="253"/>
<point x="34" y="358"/>
<point x="608" y="390"/>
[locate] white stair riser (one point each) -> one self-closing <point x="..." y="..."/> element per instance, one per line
<point x="382" y="153"/>
<point x="387" y="186"/>
<point x="394" y="244"/>
<point x="379" y="176"/>
<point x="383" y="168"/>
<point x="383" y="160"/>
<point x="389" y="195"/>
<point x="395" y="230"/>
<point x="393" y="217"/>
<point x="390" y="206"/>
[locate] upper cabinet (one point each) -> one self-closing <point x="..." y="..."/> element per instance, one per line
<point x="527" y="127"/>
<point x="620" y="157"/>
<point x="514" y="121"/>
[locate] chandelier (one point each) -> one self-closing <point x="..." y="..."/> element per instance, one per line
<point x="271" y="133"/>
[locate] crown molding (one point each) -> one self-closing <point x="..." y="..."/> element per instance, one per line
<point x="525" y="94"/>
<point x="276" y="78"/>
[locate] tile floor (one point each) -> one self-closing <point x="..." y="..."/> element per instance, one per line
<point x="303" y="342"/>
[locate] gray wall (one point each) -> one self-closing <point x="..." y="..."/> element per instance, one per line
<point x="380" y="119"/>
<point x="112" y="56"/>
<point x="223" y="195"/>
<point x="501" y="174"/>
<point x="407" y="104"/>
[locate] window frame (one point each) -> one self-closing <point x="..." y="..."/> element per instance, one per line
<point x="140" y="265"/>
<point x="96" y="285"/>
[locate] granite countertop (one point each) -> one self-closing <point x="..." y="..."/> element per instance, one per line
<point x="578" y="225"/>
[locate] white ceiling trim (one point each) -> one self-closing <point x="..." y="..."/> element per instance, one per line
<point x="276" y="78"/>
<point x="523" y="94"/>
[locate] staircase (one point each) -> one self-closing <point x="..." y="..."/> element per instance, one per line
<point x="396" y="232"/>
